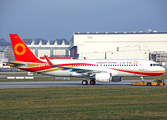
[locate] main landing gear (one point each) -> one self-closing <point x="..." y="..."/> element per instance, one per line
<point x="85" y="82"/>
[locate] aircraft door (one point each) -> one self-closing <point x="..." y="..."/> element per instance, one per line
<point x="141" y="65"/>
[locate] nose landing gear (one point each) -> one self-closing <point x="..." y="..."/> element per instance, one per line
<point x="142" y="78"/>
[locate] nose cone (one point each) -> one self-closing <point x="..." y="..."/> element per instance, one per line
<point x="159" y="71"/>
<point x="163" y="70"/>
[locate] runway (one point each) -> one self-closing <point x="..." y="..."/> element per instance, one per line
<point x="46" y="84"/>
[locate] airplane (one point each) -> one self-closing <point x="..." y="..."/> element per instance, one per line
<point x="96" y="70"/>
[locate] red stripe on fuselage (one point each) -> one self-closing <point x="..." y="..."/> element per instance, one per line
<point x="140" y="73"/>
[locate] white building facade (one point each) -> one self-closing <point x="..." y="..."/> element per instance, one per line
<point x="50" y="50"/>
<point x="134" y="45"/>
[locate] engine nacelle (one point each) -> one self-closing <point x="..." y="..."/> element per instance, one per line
<point x="103" y="77"/>
<point x="116" y="79"/>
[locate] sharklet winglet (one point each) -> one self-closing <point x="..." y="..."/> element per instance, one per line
<point x="49" y="62"/>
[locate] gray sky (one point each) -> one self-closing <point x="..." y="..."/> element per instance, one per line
<point x="51" y="19"/>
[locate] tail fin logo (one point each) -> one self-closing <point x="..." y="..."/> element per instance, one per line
<point x="20" y="49"/>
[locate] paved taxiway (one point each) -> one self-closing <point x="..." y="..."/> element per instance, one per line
<point x="46" y="84"/>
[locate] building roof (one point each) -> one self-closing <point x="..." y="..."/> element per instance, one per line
<point x="140" y="32"/>
<point x="2" y="48"/>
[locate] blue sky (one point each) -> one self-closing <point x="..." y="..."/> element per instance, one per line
<point x="52" y="19"/>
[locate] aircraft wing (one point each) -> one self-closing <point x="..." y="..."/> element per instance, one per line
<point x="84" y="71"/>
<point x="81" y="70"/>
<point x="74" y="69"/>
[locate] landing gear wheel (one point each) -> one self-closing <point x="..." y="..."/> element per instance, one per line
<point x="84" y="82"/>
<point x="92" y="82"/>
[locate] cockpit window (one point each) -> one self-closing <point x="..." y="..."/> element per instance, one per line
<point x="154" y="65"/>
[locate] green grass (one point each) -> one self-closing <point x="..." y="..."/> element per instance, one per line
<point x="84" y="103"/>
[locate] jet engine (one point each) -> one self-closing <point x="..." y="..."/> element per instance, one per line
<point x="103" y="77"/>
<point x="107" y="77"/>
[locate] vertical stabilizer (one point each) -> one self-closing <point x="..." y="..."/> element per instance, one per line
<point x="21" y="51"/>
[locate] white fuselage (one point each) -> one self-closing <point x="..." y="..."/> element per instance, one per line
<point x="115" y="67"/>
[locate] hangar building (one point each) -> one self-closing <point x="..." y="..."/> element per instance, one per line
<point x="52" y="50"/>
<point x="124" y="45"/>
